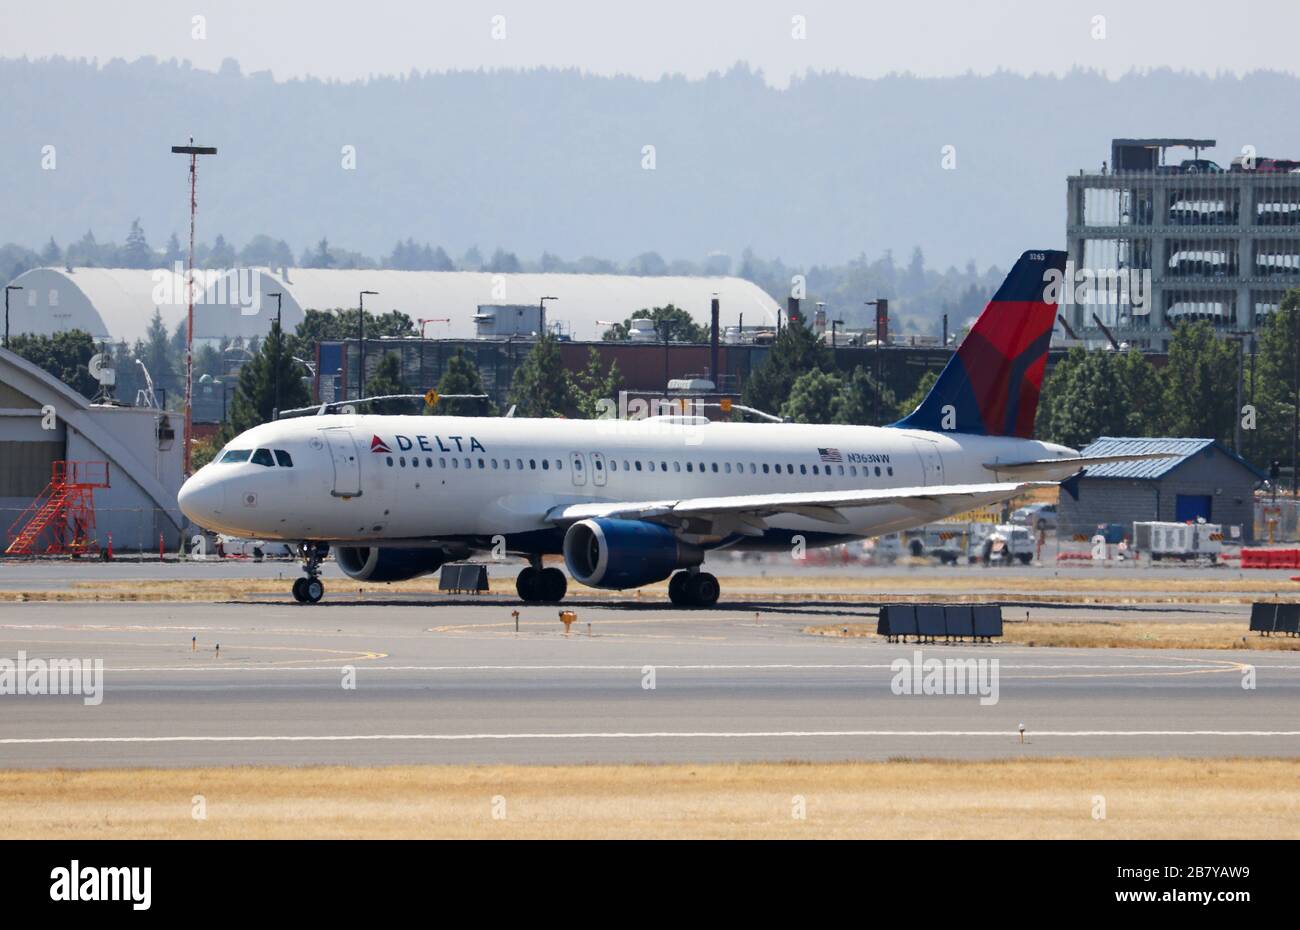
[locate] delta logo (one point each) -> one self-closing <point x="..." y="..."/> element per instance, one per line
<point x="379" y="446"/>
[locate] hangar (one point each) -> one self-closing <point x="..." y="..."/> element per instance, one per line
<point x="118" y="304"/>
<point x="1202" y="479"/>
<point x="141" y="446"/>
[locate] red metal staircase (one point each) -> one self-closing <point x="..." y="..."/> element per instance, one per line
<point x="66" y="508"/>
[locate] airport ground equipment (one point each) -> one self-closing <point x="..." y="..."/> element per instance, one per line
<point x="64" y="512"/>
<point x="927" y="622"/>
<point x="1183" y="541"/>
<point x="463" y="577"/>
<point x="1269" y="617"/>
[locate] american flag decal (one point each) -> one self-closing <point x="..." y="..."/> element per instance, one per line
<point x="830" y="455"/>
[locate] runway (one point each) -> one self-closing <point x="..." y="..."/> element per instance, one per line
<point x="438" y="680"/>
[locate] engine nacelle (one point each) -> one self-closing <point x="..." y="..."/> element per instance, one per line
<point x="608" y="553"/>
<point x="370" y="563"/>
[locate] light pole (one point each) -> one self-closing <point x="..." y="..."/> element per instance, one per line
<point x="194" y="151"/>
<point x="8" y="288"/>
<point x="541" y="315"/>
<point x="835" y="324"/>
<point x="279" y="349"/>
<point x="361" y="340"/>
<point x="880" y="304"/>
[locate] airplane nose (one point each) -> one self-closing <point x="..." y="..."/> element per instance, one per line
<point x="200" y="499"/>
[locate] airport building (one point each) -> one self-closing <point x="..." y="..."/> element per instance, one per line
<point x="43" y="421"/>
<point x="1205" y="242"/>
<point x="1203" y="480"/>
<point x="116" y="304"/>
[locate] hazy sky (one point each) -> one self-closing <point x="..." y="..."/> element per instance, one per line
<point x="348" y="39"/>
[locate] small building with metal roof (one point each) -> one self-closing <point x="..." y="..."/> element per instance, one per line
<point x="1201" y="480"/>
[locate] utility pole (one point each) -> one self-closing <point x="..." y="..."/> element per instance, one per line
<point x="279" y="350"/>
<point x="882" y="309"/>
<point x="8" y="288"/>
<point x="194" y="151"/>
<point x="361" y="341"/>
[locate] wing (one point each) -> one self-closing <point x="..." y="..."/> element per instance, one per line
<point x="746" y="512"/>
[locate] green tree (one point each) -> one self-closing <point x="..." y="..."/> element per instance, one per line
<point x="136" y="253"/>
<point x="461" y="376"/>
<point x="319" y="326"/>
<point x="64" y="355"/>
<point x="159" y="355"/>
<point x="593" y="384"/>
<point x="858" y="404"/>
<point x="387" y="379"/>
<point x="1101" y="393"/>
<point x="1199" y="379"/>
<point x="796" y="351"/>
<point x="541" y="385"/>
<point x="1275" y="378"/>
<point x="677" y="323"/>
<point x="813" y="397"/>
<point x="254" y="397"/>
<point x="923" y="387"/>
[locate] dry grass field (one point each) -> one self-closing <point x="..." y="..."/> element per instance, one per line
<point x="1152" y="798"/>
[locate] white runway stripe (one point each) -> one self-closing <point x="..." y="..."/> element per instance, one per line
<point x="686" y="734"/>
<point x="1215" y="664"/>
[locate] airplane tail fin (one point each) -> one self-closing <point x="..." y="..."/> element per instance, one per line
<point x="991" y="385"/>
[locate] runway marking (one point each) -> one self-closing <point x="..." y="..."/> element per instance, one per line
<point x="207" y="666"/>
<point x="659" y="734"/>
<point x="70" y="645"/>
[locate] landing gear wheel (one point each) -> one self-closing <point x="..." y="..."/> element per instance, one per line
<point x="552" y="585"/>
<point x="529" y="585"/>
<point x="298" y="585"/>
<point x="312" y="590"/>
<point x="677" y="589"/>
<point x="702" y="589"/>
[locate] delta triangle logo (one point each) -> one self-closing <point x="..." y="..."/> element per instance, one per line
<point x="378" y="445"/>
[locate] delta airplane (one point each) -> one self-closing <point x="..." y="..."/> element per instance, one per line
<point x="632" y="502"/>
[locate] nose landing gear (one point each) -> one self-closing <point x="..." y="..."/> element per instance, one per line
<point x="310" y="590"/>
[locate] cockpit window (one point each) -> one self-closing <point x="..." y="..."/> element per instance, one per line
<point x="236" y="455"/>
<point x="285" y="460"/>
<point x="263" y="457"/>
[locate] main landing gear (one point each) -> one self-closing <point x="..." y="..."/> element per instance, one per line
<point x="541" y="585"/>
<point x="693" y="589"/>
<point x="310" y="590"/>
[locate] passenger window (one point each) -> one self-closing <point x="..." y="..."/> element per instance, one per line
<point x="638" y="464"/>
<point x="428" y="462"/>
<point x="283" y="458"/>
<point x="803" y="469"/>
<point x="263" y="457"/>
<point x="663" y="466"/>
<point x="598" y="468"/>
<point x="890" y="469"/>
<point x="877" y="471"/>
<point x="236" y="455"/>
<point x="651" y="464"/>
<point x="390" y="461"/>
<point x="455" y="463"/>
<point x="402" y="461"/>
<point x="715" y="467"/>
<point x="546" y="464"/>
<point x="677" y="466"/>
<point x="519" y="464"/>
<point x="468" y="463"/>
<point x="442" y="462"/>
<point x="494" y="463"/>
<point x="577" y="464"/>
<point x="613" y="464"/>
<point x="532" y="463"/>
<point x="728" y="468"/>
<point x="765" y="468"/>
<point x="559" y="464"/>
<point x="506" y="463"/>
<point x="688" y="466"/>
<point x="481" y="463"/>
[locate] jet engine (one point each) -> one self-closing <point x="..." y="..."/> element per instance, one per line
<point x="609" y="553"/>
<point x="370" y="563"/>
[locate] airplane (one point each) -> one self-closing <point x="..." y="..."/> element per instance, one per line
<point x="633" y="502"/>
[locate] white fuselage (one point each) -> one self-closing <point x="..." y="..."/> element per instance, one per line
<point x="404" y="479"/>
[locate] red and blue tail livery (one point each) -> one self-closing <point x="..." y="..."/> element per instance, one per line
<point x="990" y="387"/>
